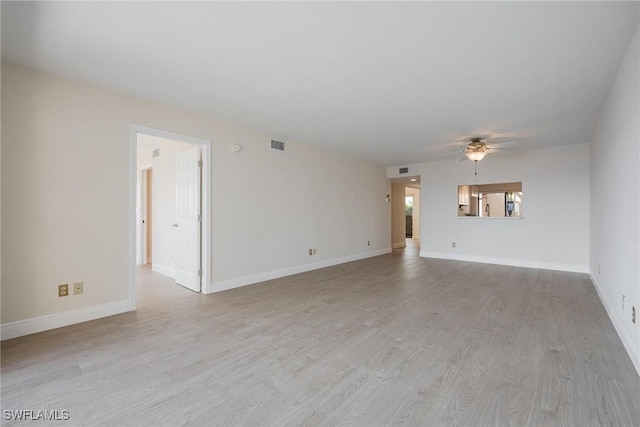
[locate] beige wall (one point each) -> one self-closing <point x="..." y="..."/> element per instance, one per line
<point x="67" y="197"/>
<point x="496" y="205"/>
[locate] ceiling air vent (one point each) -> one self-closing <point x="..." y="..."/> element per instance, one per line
<point x="155" y="153"/>
<point x="403" y="170"/>
<point x="277" y="145"/>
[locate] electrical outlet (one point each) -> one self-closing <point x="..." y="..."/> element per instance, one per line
<point x="63" y="290"/>
<point x="368" y="242"/>
<point x="310" y="252"/>
<point x="633" y="315"/>
<point x="453" y="244"/>
<point x="78" y="288"/>
<point x="314" y="251"/>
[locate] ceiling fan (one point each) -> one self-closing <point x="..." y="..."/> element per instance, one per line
<point x="478" y="148"/>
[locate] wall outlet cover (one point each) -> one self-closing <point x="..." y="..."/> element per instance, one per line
<point x="78" y="288"/>
<point x="63" y="290"/>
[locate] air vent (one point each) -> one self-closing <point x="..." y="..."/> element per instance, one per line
<point x="277" y="145"/>
<point x="403" y="170"/>
<point x="155" y="153"/>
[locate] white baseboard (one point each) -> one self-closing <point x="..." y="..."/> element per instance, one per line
<point x="509" y="262"/>
<point x="167" y="271"/>
<point x="52" y="321"/>
<point x="399" y="245"/>
<point x="634" y="353"/>
<point x="251" y="279"/>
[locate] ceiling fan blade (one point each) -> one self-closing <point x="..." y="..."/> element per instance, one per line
<point x="506" y="144"/>
<point x="452" y="153"/>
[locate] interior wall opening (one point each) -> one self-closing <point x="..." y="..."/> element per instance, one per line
<point x="172" y="208"/>
<point x="405" y="213"/>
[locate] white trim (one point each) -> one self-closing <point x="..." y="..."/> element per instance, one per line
<point x="207" y="149"/>
<point x="163" y="269"/>
<point x="237" y="282"/>
<point x="133" y="199"/>
<point x="52" y="321"/>
<point x="399" y="245"/>
<point x="627" y="342"/>
<point x="510" y="262"/>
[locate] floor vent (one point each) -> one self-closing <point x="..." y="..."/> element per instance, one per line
<point x="277" y="145"/>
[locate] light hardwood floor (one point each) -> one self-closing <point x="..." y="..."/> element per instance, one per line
<point x="389" y="340"/>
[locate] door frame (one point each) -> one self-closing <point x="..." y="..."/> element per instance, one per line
<point x="205" y="253"/>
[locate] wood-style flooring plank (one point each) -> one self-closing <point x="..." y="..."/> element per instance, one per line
<point x="390" y="340"/>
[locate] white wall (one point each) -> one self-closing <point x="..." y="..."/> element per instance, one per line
<point x="66" y="152"/>
<point x="554" y="231"/>
<point x="615" y="209"/>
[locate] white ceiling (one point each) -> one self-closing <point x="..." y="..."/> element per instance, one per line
<point x="389" y="82"/>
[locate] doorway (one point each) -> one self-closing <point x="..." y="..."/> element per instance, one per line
<point x="148" y="217"/>
<point x="171" y="229"/>
<point x="408" y="208"/>
<point x="405" y="212"/>
<point x="144" y="220"/>
<point x="412" y="194"/>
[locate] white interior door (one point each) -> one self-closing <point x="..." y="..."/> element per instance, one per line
<point x="188" y="219"/>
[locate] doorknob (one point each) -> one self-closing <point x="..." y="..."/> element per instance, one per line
<point x="175" y="225"/>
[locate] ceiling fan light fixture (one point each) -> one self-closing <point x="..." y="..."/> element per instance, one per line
<point x="476" y="155"/>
